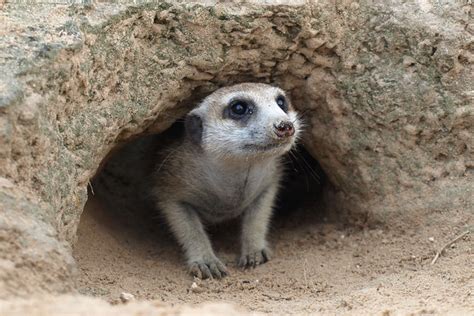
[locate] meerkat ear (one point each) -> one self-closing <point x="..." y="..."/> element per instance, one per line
<point x="193" y="126"/>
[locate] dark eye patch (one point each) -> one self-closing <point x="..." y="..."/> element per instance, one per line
<point x="282" y="103"/>
<point x="239" y="109"/>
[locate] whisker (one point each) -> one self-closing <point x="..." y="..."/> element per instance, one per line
<point x="166" y="158"/>
<point x="308" y="165"/>
<point x="298" y="162"/>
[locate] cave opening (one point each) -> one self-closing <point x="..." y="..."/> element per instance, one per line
<point x="122" y="232"/>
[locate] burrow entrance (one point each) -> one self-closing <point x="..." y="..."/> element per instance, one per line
<point x="125" y="246"/>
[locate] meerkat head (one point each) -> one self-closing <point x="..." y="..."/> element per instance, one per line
<point x="244" y="121"/>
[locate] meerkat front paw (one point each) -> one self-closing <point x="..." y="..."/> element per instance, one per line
<point x="208" y="268"/>
<point x="254" y="258"/>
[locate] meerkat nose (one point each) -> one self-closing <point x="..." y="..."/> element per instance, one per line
<point x="284" y="129"/>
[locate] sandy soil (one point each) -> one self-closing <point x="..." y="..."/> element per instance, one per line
<point x="319" y="266"/>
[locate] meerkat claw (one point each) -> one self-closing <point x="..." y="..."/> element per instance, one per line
<point x="208" y="270"/>
<point x="254" y="259"/>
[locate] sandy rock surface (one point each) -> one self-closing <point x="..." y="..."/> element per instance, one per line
<point x="386" y="91"/>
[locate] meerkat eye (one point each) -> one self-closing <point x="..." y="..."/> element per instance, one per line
<point x="280" y="100"/>
<point x="238" y="109"/>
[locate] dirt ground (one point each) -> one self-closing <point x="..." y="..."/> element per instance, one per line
<point x="319" y="265"/>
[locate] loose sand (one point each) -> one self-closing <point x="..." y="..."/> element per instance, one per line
<point x="320" y="265"/>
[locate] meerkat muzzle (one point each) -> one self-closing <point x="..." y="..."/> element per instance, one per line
<point x="284" y="129"/>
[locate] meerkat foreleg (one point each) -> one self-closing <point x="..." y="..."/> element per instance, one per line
<point x="255" y="223"/>
<point x="189" y="230"/>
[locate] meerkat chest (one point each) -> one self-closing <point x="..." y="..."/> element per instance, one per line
<point x="228" y="194"/>
<point x="239" y="191"/>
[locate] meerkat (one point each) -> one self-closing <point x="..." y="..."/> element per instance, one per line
<point x="227" y="165"/>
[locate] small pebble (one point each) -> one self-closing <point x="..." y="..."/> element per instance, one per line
<point x="431" y="239"/>
<point x="196" y="288"/>
<point x="126" y="297"/>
